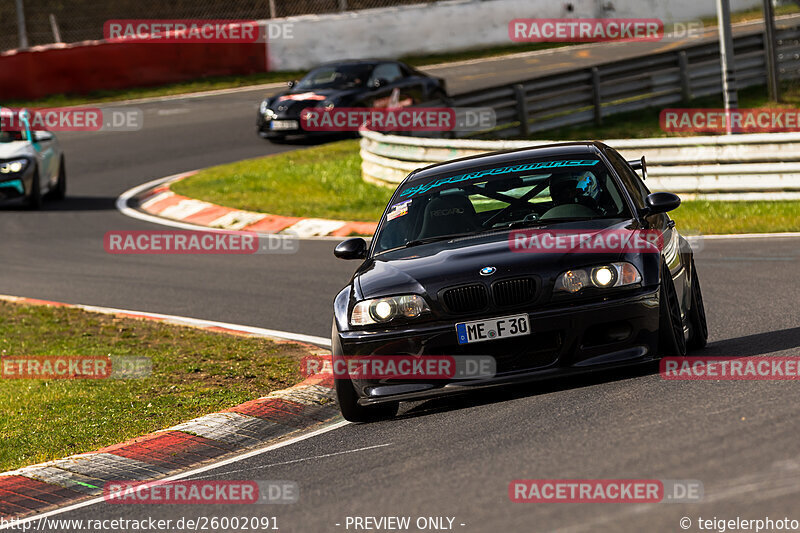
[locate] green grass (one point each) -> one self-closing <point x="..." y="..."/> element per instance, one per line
<point x="645" y="123"/>
<point x="478" y="53"/>
<point x="757" y="13"/>
<point x="710" y="218"/>
<point x="194" y="373"/>
<point x="193" y="86"/>
<point x="230" y="82"/>
<point x="227" y="82"/>
<point x="323" y="181"/>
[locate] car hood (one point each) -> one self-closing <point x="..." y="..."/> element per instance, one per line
<point x="312" y="96"/>
<point x="431" y="267"/>
<point x="15" y="149"/>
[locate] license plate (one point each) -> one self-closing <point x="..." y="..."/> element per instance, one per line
<point x="494" y="328"/>
<point x="284" y="125"/>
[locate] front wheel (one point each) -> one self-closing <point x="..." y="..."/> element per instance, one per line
<point x="35" y="196"/>
<point x="348" y="404"/>
<point x="670" y="326"/>
<point x="698" y="328"/>
<point x="60" y="191"/>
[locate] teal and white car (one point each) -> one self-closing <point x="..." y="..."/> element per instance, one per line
<point x="31" y="166"/>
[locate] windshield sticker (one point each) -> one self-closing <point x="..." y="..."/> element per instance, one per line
<point x="497" y="171"/>
<point x="398" y="210"/>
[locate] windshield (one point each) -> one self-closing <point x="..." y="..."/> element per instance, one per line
<point x="490" y="199"/>
<point x="335" y="77"/>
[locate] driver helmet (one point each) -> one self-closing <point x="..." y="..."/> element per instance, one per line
<point x="573" y="187"/>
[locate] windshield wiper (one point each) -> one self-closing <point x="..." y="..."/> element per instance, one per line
<point x="544" y="222"/>
<point x="417" y="242"/>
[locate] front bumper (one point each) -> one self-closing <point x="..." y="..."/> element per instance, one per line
<point x="564" y="340"/>
<point x="17" y="186"/>
<point x="264" y="127"/>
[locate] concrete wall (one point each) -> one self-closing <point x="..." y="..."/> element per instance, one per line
<point x="451" y="26"/>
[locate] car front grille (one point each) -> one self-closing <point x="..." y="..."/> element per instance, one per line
<point x="465" y="299"/>
<point x="511" y="292"/>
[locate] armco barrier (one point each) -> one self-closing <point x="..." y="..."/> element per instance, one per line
<point x="760" y="166"/>
<point x="97" y="65"/>
<point x="590" y="94"/>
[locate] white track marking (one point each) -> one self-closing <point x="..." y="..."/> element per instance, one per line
<point x="122" y="207"/>
<point x="185" y="96"/>
<point x="16" y="523"/>
<point x="199" y="322"/>
<point x="751" y="235"/>
<point x="323" y="456"/>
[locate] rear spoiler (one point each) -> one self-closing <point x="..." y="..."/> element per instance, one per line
<point x="639" y="164"/>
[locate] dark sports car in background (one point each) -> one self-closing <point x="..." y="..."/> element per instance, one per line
<point x="363" y="83"/>
<point x="444" y="276"/>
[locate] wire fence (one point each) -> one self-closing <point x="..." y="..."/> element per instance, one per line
<point x="82" y="20"/>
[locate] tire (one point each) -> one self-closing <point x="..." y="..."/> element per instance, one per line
<point x="670" y="326"/>
<point x="348" y="405"/>
<point x="35" y="197"/>
<point x="60" y="192"/>
<point x="698" y="328"/>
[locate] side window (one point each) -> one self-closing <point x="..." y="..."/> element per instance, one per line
<point x="386" y="71"/>
<point x="630" y="179"/>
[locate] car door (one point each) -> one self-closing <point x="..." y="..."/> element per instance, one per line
<point x="391" y="87"/>
<point x="671" y="251"/>
<point x="46" y="158"/>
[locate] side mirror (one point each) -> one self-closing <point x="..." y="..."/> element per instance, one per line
<point x="355" y="248"/>
<point x="291" y="83"/>
<point x="42" y="136"/>
<point x="661" y="202"/>
<point x="639" y="164"/>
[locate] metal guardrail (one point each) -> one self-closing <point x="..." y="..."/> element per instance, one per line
<point x="738" y="167"/>
<point x="760" y="166"/>
<point x="589" y="94"/>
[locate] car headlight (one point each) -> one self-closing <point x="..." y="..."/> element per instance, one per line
<point x="266" y="111"/>
<point x="601" y="276"/>
<point x="382" y="310"/>
<point x="14" y="166"/>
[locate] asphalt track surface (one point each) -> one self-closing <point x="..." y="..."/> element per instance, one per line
<point x="452" y="457"/>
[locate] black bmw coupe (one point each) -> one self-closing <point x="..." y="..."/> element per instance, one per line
<point x="551" y="260"/>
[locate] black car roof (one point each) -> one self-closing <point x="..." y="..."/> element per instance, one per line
<point x="506" y="157"/>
